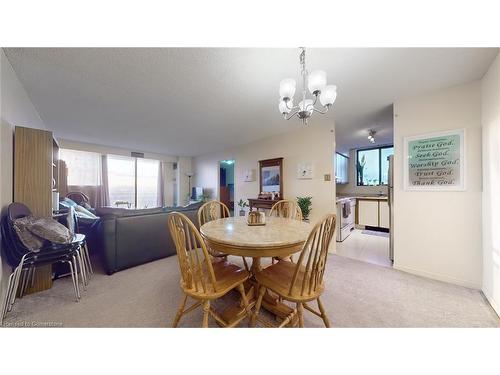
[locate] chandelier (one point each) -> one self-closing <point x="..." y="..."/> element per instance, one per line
<point x="316" y="83"/>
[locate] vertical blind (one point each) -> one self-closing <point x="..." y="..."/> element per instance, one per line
<point x="342" y="169"/>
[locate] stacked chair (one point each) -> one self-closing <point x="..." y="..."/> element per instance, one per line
<point x="25" y="262"/>
<point x="72" y="223"/>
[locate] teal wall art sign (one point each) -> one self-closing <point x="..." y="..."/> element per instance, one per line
<point x="435" y="161"/>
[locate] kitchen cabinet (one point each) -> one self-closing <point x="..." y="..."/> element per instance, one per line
<point x="383" y="211"/>
<point x="368" y="212"/>
<point x="373" y="213"/>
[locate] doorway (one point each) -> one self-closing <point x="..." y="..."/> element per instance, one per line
<point x="226" y="184"/>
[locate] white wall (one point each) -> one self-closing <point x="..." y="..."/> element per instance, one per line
<point x="490" y="118"/>
<point x="15" y="109"/>
<point x="313" y="144"/>
<point x="438" y="234"/>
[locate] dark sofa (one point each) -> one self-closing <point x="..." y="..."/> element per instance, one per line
<point x="127" y="238"/>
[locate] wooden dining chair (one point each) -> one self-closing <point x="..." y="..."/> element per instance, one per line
<point x="301" y="282"/>
<point x="210" y="211"/>
<point x="287" y="209"/>
<point x="202" y="278"/>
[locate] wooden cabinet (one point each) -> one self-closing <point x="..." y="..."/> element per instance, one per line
<point x="261" y="203"/>
<point x="373" y="213"/>
<point x="35" y="178"/>
<point x="383" y="212"/>
<point x="368" y="212"/>
<point x="33" y="168"/>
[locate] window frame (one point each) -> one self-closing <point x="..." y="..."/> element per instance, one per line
<point x="379" y="148"/>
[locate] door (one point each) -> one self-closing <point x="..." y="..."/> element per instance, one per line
<point x="390" y="202"/>
<point x="226" y="183"/>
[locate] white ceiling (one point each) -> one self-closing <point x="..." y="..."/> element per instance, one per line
<point x="191" y="101"/>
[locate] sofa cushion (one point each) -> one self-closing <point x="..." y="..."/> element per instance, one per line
<point x="114" y="211"/>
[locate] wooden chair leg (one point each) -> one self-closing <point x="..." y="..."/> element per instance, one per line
<point x="180" y="312"/>
<point x="246" y="264"/>
<point x="323" y="313"/>
<point x="244" y="299"/>
<point x="262" y="291"/>
<point x="206" y="312"/>
<point x="300" y="313"/>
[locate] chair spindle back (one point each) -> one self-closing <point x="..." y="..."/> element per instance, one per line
<point x="312" y="260"/>
<point x="287" y="209"/>
<point x="197" y="273"/>
<point x="211" y="211"/>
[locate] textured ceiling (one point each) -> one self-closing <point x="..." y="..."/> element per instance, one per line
<point x="191" y="101"/>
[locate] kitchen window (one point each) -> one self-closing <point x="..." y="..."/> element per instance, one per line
<point x="372" y="166"/>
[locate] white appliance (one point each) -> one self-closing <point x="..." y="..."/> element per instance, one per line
<point x="345" y="217"/>
<point x="390" y="200"/>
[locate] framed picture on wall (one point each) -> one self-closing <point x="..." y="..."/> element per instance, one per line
<point x="435" y="161"/>
<point x="305" y="170"/>
<point x="271" y="176"/>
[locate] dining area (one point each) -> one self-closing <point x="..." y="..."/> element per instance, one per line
<point x="270" y="267"/>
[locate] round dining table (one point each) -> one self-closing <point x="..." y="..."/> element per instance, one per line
<point x="279" y="237"/>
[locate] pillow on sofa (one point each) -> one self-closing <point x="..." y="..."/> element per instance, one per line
<point x="82" y="211"/>
<point x="66" y="202"/>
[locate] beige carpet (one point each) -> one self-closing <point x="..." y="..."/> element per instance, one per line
<point x="357" y="294"/>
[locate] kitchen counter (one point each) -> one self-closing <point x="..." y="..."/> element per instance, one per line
<point x="341" y="198"/>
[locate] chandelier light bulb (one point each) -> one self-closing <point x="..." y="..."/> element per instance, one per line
<point x="287" y="88"/>
<point x="371" y="137"/>
<point x="328" y="95"/>
<point x="316" y="81"/>
<point x="306" y="105"/>
<point x="285" y="107"/>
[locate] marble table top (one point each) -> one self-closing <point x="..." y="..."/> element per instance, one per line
<point x="277" y="232"/>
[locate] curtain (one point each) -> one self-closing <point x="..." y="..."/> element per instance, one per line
<point x="104" y="186"/>
<point x="81" y="171"/>
<point x="161" y="185"/>
<point x="63" y="178"/>
<point x="168" y="184"/>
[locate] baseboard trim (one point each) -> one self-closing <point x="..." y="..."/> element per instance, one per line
<point x="492" y="302"/>
<point x="439" y="277"/>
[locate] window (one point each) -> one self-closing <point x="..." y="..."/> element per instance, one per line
<point x="133" y="182"/>
<point x="147" y="183"/>
<point x="372" y="166"/>
<point x="341" y="169"/>
<point x="121" y="180"/>
<point x="84" y="168"/>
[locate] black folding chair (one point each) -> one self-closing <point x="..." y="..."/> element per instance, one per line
<point x="24" y="261"/>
